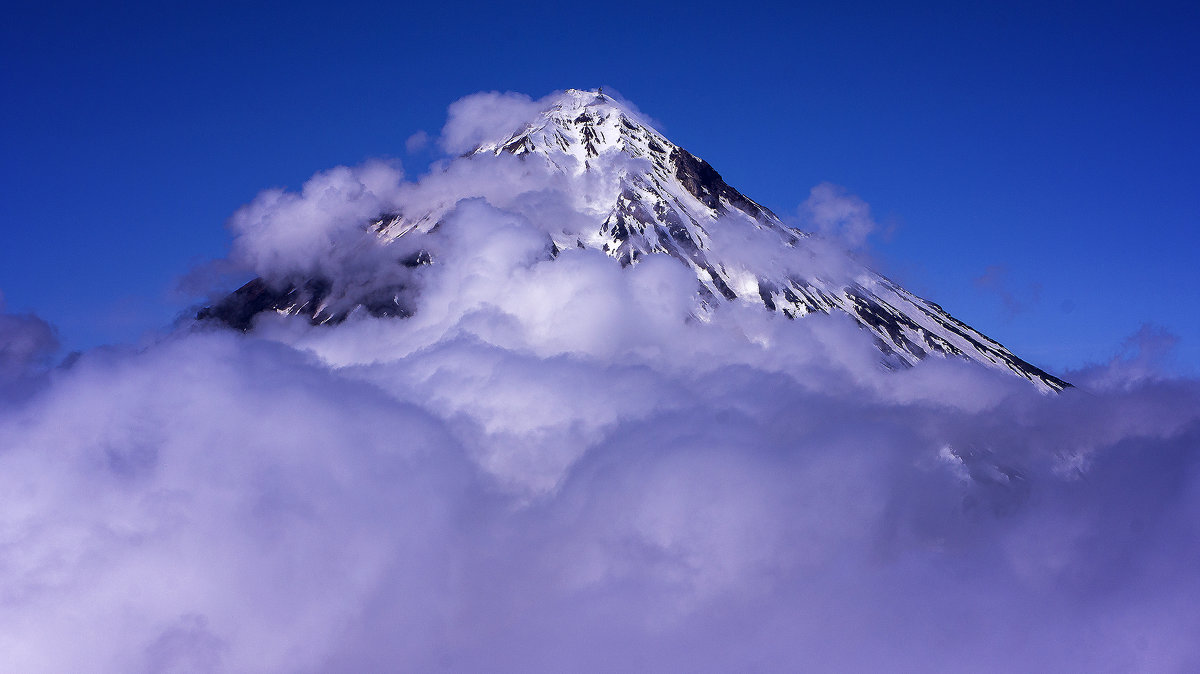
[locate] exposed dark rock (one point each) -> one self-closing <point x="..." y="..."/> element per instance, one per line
<point x="417" y="259"/>
<point x="238" y="309"/>
<point x="704" y="183"/>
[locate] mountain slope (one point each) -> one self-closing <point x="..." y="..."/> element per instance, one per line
<point x="638" y="194"/>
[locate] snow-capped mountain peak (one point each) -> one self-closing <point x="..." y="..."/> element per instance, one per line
<point x="643" y="196"/>
<point x="579" y="124"/>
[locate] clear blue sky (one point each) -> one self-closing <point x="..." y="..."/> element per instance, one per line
<point x="1049" y="149"/>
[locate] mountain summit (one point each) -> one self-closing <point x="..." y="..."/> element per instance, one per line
<point x="621" y="187"/>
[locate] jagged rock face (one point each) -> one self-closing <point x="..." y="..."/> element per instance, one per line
<point x="665" y="201"/>
<point x="310" y="300"/>
<point x="314" y="299"/>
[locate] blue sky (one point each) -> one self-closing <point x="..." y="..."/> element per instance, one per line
<point x="1035" y="166"/>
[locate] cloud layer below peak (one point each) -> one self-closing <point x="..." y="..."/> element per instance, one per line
<point x="558" y="464"/>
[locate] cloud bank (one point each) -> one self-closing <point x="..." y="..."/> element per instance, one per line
<point x="556" y="465"/>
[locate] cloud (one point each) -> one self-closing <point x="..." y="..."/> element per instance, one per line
<point x="306" y="233"/>
<point x="837" y="214"/>
<point x="632" y="108"/>
<point x="485" y="116"/>
<point x="416" y="142"/>
<point x="27" y="345"/>
<point x="556" y="465"/>
<point x="1144" y="355"/>
<point x="184" y="503"/>
<point x="689" y="500"/>
<point x="25" y="342"/>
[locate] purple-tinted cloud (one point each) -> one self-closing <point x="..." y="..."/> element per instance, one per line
<point x="25" y="341"/>
<point x="27" y="344"/>
<point x="696" y="503"/>
<point x="560" y="464"/>
<point x="416" y="142"/>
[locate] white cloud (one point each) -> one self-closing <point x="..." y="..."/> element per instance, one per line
<point x="683" y="500"/>
<point x="485" y="116"/>
<point x="312" y="232"/>
<point x="835" y="213"/>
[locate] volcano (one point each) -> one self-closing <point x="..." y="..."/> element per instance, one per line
<point x="621" y="187"/>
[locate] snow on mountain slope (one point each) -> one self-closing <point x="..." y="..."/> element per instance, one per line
<point x="618" y="185"/>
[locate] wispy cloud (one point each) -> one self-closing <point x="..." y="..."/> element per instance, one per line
<point x="416" y="142"/>
<point x="835" y="213"/>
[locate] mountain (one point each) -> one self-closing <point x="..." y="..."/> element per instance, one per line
<point x="640" y="194"/>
